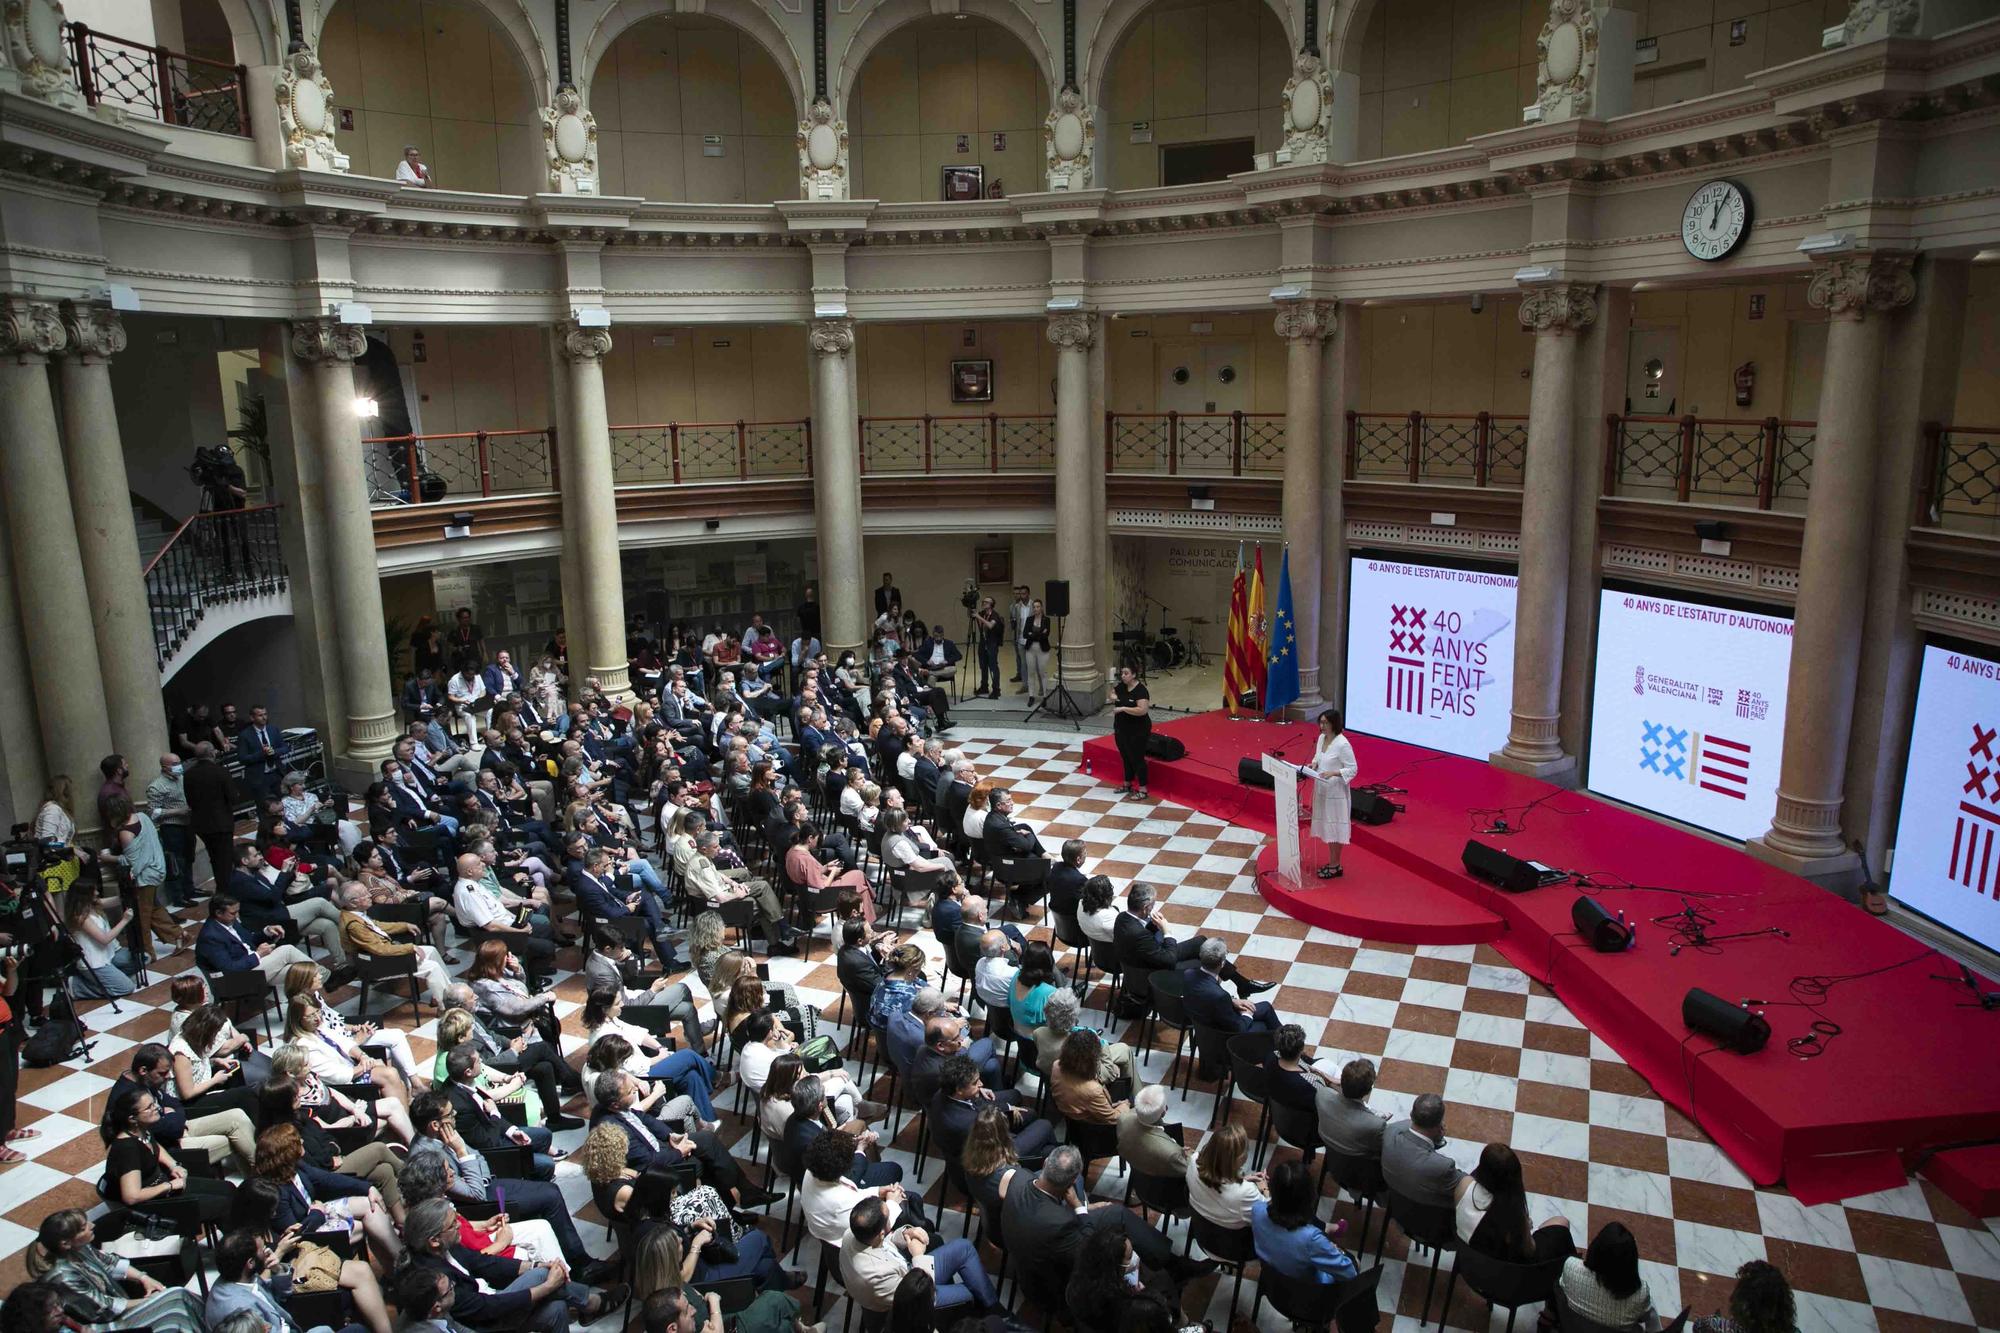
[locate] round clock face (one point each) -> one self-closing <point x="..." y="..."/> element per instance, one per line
<point x="1715" y="221"/>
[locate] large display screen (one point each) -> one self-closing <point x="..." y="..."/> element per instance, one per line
<point x="1688" y="709"/>
<point x="1948" y="838"/>
<point x="1430" y="654"/>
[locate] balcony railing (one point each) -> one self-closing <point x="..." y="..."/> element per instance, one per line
<point x="1437" y="449"/>
<point x="219" y="557"/>
<point x="460" y="466"/>
<point x="169" y="86"/>
<point x="930" y="445"/>
<point x="1195" y="444"/>
<point x="1754" y="464"/>
<point x="676" y="452"/>
<point x="1962" y="478"/>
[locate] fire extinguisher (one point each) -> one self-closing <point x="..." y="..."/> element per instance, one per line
<point x="1746" y="383"/>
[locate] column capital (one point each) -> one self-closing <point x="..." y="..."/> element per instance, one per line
<point x="578" y="343"/>
<point x="1851" y="286"/>
<point x="1307" y="321"/>
<point x="29" y="329"/>
<point x="1073" y="330"/>
<point x="1565" y="307"/>
<point x="325" y="340"/>
<point x="831" y="337"/>
<point x="95" y="333"/>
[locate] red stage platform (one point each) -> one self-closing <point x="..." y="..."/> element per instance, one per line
<point x="1906" y="1070"/>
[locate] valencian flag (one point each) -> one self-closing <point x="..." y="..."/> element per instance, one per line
<point x="1260" y="634"/>
<point x="1239" y="664"/>
<point x="1282" y="684"/>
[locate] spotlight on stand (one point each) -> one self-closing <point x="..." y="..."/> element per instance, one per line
<point x="1606" y="933"/>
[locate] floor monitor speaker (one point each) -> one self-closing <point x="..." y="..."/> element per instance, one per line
<point x="1736" y="1028"/>
<point x="1497" y="867"/>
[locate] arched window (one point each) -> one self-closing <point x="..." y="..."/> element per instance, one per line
<point x="1191" y="91"/>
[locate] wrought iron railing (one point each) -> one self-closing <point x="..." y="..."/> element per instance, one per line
<point x="1198" y="444"/>
<point x="459" y="465"/>
<point x="228" y="556"/>
<point x="676" y="452"/>
<point x="929" y="445"/>
<point x="1961" y="478"/>
<point x="1757" y="464"/>
<point x="169" y="86"/>
<point x="1479" y="449"/>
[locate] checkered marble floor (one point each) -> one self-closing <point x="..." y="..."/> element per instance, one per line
<point x="1510" y="1061"/>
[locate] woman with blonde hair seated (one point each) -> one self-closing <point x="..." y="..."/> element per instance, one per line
<point x="396" y="1074"/>
<point x="1218" y="1187"/>
<point x="328" y="1060"/>
<point x="454" y="1028"/>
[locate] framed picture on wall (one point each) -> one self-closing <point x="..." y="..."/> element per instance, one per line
<point x="995" y="566"/>
<point x="964" y="183"/>
<point x="972" y="381"/>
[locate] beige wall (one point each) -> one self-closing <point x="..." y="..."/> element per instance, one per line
<point x="1696" y="57"/>
<point x="905" y="369"/>
<point x="1717" y="335"/>
<point x="475" y="378"/>
<point x="1139" y="352"/>
<point x="1195" y="70"/>
<point x="930" y="570"/>
<point x="1441" y="357"/>
<point x="669" y="82"/>
<point x="441" y="75"/>
<point x="928" y="83"/>
<point x="1978" y="385"/>
<point x="713" y="373"/>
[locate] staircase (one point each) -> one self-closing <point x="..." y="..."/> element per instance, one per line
<point x="213" y="573"/>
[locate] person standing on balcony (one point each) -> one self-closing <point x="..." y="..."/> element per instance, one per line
<point x="411" y="170"/>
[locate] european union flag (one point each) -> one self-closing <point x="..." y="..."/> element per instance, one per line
<point x="1281" y="683"/>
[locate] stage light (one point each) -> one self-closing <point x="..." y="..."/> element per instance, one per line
<point x="366" y="408"/>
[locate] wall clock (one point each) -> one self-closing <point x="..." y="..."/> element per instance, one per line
<point x="1715" y="221"/>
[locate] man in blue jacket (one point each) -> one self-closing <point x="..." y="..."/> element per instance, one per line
<point x="226" y="945"/>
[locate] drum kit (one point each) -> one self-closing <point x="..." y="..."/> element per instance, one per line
<point x="1141" y="649"/>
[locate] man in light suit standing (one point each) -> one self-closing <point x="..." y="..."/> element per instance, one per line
<point x="1413" y="1160"/>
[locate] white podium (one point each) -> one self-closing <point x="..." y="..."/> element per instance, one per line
<point x="1285" y="790"/>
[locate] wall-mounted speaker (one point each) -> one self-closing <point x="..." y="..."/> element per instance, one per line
<point x="1733" y="1026"/>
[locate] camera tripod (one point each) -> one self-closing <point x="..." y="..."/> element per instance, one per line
<point x="1059" y="701"/>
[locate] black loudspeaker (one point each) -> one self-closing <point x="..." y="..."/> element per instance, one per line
<point x="1159" y="745"/>
<point x="1055" y="597"/>
<point x="1372" y="807"/>
<point x="1250" y="772"/>
<point x="1497" y="867"/>
<point x="431" y="487"/>
<point x="1736" y="1028"/>
<point x="1606" y="933"/>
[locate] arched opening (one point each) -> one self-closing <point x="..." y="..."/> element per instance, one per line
<point x="950" y="92"/>
<point x="197" y="28"/>
<point x="1190" y="92"/>
<point x="440" y="74"/>
<point x="1435" y="75"/>
<point x="693" y="108"/>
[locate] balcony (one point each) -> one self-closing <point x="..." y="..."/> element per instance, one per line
<point x="1477" y="449"/>
<point x="168" y="86"/>
<point x="1729" y="462"/>
<point x="1195" y="444"/>
<point x="948" y="445"/>
<point x="1961" y="479"/>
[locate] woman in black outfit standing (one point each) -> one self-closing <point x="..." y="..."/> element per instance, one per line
<point x="1131" y="725"/>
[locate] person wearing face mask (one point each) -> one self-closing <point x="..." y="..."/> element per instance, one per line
<point x="166" y="802"/>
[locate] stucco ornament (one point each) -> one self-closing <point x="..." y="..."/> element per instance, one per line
<point x="1852" y="287"/>
<point x="1565" y="307"/>
<point x="831" y="337"/>
<point x="327" y="339"/>
<point x="1072" y="331"/>
<point x="1069" y="135"/>
<point x="1306" y="321"/>
<point x="93" y="332"/>
<point x="1869" y="19"/>
<point x="36" y="49"/>
<point x="822" y="153"/>
<point x="582" y="343"/>
<point x="30" y="329"/>
<point x="1308" y="106"/>
<point x="305" y="113"/>
<point x="1567" y="77"/>
<point x="569" y="138"/>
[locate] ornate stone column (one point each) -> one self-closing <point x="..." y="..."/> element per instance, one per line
<point x="1079" y="519"/>
<point x="48" y="562"/>
<point x="569" y="141"/>
<point x="329" y="349"/>
<point x="1556" y="315"/>
<point x="837" y="489"/>
<point x="21" y="766"/>
<point x="1856" y="292"/>
<point x="102" y="500"/>
<point x="1305" y="326"/>
<point x="1340" y="383"/>
<point x="590" y="489"/>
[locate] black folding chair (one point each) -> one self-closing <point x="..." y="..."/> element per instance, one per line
<point x="1502" y="1285"/>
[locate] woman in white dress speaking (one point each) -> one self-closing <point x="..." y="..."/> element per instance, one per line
<point x="1332" y="769"/>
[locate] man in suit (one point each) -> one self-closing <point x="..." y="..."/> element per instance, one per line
<point x="812" y="1117"/>
<point x="887" y="595"/>
<point x="438" y="1139"/>
<point x="649" y="1142"/>
<point x="389" y="939"/>
<point x="522" y="1296"/>
<point x="1066" y="879"/>
<point x="967" y="941"/>
<point x="554" y="1077"/>
<point x="1044" y="1222"/>
<point x="1003" y="834"/>
<point x="924" y="777"/>
<point x="1143" y="1140"/>
<point x="266" y="895"/>
<point x="874" y="1260"/>
<point x="211" y="810"/>
<point x="261" y="747"/>
<point x="1144" y="947"/>
<point x="1413" y="1159"/>
<point x="1347" y="1123"/>
<point x="597" y="894"/>
<point x="225" y="945"/>
<point x="479" y="1120"/>
<point x="944" y="1037"/>
<point x="859" y="964"/>
<point x="1211" y="1006"/>
<point x="423" y="697"/>
<point x="961" y="1094"/>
